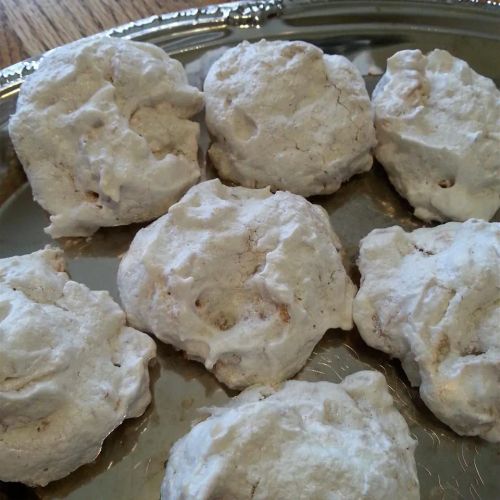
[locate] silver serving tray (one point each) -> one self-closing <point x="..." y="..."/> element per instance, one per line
<point x="132" y="461"/>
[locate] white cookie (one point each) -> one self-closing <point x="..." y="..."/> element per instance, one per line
<point x="102" y="130"/>
<point x="438" y="131"/>
<point x="300" y="441"/>
<point x="240" y="279"/>
<point x="285" y="115"/>
<point x="432" y="299"/>
<point x="70" y="370"/>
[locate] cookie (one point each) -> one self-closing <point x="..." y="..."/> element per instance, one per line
<point x="432" y="299"/>
<point x="245" y="281"/>
<point x="301" y="440"/>
<point x="70" y="369"/>
<point x="102" y="130"/>
<point x="286" y="115"/>
<point x="438" y="131"/>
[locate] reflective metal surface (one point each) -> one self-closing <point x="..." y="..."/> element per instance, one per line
<point x="132" y="461"/>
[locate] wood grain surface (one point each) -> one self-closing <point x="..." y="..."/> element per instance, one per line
<point x="30" y="27"/>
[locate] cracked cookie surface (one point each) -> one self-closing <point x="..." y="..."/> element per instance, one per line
<point x="285" y="115"/>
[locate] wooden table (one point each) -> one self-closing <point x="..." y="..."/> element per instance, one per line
<point x="30" y="27"/>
